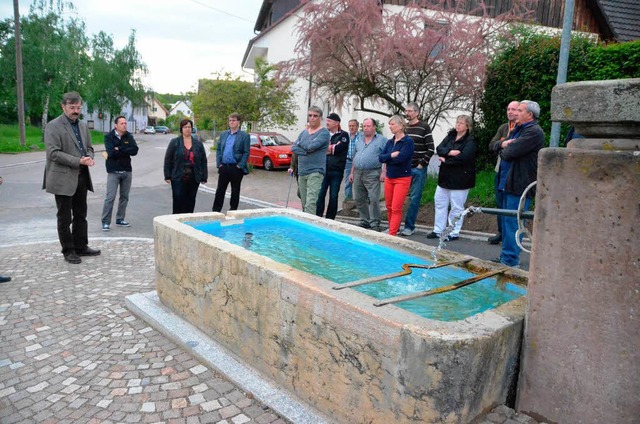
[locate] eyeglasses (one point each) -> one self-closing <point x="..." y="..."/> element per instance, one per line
<point x="311" y="115"/>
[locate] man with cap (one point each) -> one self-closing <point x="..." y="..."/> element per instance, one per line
<point x="336" y="161"/>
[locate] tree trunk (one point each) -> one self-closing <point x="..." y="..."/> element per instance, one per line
<point x="45" y="108"/>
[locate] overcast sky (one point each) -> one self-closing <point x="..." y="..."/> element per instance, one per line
<point x="179" y="40"/>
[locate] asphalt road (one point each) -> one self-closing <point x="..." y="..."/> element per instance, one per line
<point x="28" y="213"/>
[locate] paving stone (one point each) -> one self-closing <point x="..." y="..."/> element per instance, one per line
<point x="148" y="407"/>
<point x="229" y="411"/>
<point x="240" y="419"/>
<point x="212" y="405"/>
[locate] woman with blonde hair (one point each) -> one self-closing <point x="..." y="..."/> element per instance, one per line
<point x="396" y="157"/>
<point x="457" y="175"/>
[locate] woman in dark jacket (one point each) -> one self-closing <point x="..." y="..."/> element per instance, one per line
<point x="185" y="167"/>
<point x="456" y="177"/>
<point x="396" y="157"/>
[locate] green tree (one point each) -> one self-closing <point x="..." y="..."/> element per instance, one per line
<point x="53" y="58"/>
<point x="275" y="101"/>
<point x="115" y="75"/>
<point x="218" y="98"/>
<point x="266" y="103"/>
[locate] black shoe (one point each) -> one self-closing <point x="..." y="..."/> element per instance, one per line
<point x="4" y="279"/>
<point x="496" y="260"/>
<point x="452" y="238"/>
<point x="72" y="258"/>
<point x="497" y="239"/>
<point x="364" y="225"/>
<point x="433" y="235"/>
<point x="87" y="251"/>
<point x="122" y="223"/>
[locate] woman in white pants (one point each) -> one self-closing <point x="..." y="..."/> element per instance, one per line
<point x="457" y="175"/>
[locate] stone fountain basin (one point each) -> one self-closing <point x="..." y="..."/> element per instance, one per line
<point x="333" y="349"/>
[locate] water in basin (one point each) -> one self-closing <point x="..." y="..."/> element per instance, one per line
<point x="343" y="258"/>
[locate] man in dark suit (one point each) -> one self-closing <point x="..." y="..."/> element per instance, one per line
<point x="66" y="175"/>
<point x="232" y="154"/>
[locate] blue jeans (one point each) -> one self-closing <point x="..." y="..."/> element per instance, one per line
<point x="499" y="196"/>
<point x="510" y="254"/>
<point x="418" y="179"/>
<point x="348" y="191"/>
<point x="331" y="182"/>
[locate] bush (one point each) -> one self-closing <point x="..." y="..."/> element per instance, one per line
<point x="526" y="68"/>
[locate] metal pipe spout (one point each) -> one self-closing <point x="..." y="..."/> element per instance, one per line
<point x="506" y="212"/>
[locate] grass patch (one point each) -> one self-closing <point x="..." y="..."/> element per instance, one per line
<point x="10" y="139"/>
<point x="482" y="195"/>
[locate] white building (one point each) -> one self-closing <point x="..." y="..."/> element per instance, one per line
<point x="137" y="117"/>
<point x="181" y="106"/>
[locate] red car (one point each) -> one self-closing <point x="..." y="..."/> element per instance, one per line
<point x="270" y="150"/>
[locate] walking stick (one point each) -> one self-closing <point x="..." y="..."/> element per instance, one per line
<point x="286" y="205"/>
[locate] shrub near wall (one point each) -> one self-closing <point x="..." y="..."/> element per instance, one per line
<point x="527" y="67"/>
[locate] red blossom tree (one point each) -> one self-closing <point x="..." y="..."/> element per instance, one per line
<point x="429" y="52"/>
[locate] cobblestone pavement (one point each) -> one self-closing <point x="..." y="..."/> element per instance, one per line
<point x="70" y="352"/>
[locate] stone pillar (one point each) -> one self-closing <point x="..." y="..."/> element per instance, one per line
<point x="581" y="354"/>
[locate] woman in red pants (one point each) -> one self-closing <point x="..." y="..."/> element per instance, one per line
<point x="396" y="158"/>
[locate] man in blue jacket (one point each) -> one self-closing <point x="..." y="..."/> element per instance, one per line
<point x="518" y="169"/>
<point x="232" y="154"/>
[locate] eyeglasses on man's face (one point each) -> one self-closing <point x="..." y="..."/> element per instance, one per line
<point x="313" y="115"/>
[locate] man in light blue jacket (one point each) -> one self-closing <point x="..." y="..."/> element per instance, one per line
<point x="232" y="154"/>
<point x="311" y="147"/>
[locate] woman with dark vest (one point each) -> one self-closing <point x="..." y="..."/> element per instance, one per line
<point x="185" y="167"/>
<point x="457" y="175"/>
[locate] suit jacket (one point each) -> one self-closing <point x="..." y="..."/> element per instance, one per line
<point x="63" y="156"/>
<point x="240" y="149"/>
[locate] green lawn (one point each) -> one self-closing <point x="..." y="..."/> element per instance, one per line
<point x="10" y="139"/>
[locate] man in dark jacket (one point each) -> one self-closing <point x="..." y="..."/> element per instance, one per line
<point x="336" y="161"/>
<point x="232" y="154"/>
<point x="494" y="146"/>
<point x="518" y="169"/>
<point x="120" y="146"/>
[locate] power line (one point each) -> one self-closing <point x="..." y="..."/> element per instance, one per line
<point x="221" y="11"/>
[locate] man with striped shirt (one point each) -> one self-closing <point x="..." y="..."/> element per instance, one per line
<point x="420" y="132"/>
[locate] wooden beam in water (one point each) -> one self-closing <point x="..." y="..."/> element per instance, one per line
<point x="406" y="270"/>
<point x="439" y="290"/>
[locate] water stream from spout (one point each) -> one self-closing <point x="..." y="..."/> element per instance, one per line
<point x="444" y="236"/>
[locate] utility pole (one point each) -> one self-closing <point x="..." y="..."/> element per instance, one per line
<point x="563" y="63"/>
<point x="19" y="86"/>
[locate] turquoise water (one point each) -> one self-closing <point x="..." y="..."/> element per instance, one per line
<point x="342" y="258"/>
